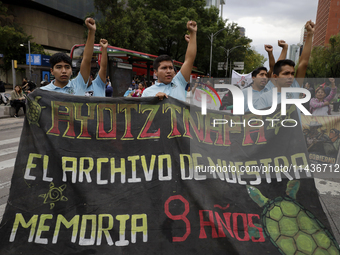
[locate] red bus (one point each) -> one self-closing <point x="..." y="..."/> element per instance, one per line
<point x="123" y="65"/>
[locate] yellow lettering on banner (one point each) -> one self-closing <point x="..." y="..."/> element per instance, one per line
<point x="72" y="168"/>
<point x="148" y="172"/>
<point x="218" y="169"/>
<point x="122" y="227"/>
<point x="197" y="177"/>
<point x="120" y="170"/>
<point x="74" y="222"/>
<point x="19" y="219"/>
<point x="45" y="166"/>
<point x="134" y="178"/>
<point x="83" y="171"/>
<point x="105" y="230"/>
<point x="88" y="241"/>
<point x="143" y="228"/>
<point x="191" y="167"/>
<point x="256" y="172"/>
<point x="161" y="175"/>
<point x="99" y="170"/>
<point x="31" y="165"/>
<point x="42" y="228"/>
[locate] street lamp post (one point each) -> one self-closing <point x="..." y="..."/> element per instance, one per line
<point x="29" y="58"/>
<point x="228" y="51"/>
<point x="211" y="38"/>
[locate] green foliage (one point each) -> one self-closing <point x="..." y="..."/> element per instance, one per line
<point x="252" y="60"/>
<point x="325" y="61"/>
<point x="12" y="36"/>
<point x="159" y="28"/>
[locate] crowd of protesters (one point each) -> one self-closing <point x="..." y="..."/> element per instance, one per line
<point x="282" y="73"/>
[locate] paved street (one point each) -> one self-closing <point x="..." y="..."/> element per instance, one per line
<point x="10" y="131"/>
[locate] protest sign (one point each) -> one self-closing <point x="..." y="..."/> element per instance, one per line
<point x="143" y="176"/>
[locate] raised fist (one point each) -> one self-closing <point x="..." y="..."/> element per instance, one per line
<point x="91" y="24"/>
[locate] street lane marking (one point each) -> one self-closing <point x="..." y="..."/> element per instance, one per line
<point x="8" y="151"/>
<point x="327" y="187"/>
<point x="7" y="163"/>
<point x="5" y="185"/>
<point x="13" y="140"/>
<point x="2" y="210"/>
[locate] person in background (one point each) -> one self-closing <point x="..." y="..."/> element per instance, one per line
<point x="109" y="89"/>
<point x="336" y="105"/>
<point x="17" y="100"/>
<point x="319" y="105"/>
<point x="139" y="91"/>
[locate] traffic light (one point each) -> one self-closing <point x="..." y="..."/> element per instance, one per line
<point x="15" y="63"/>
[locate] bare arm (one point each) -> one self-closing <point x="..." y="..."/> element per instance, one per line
<point x="284" y="50"/>
<point x="191" y="51"/>
<point x="85" y="67"/>
<point x="271" y="58"/>
<point x="304" y="59"/>
<point x="103" y="62"/>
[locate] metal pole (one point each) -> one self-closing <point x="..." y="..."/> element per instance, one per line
<point x="29" y="59"/>
<point x="211" y="40"/>
<point x="13" y="75"/>
<point x="226" y="70"/>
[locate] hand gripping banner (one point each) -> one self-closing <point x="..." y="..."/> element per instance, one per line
<point x="143" y="176"/>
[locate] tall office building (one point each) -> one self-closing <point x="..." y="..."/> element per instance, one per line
<point x="327" y="21"/>
<point x="217" y="4"/>
<point x="210" y="3"/>
<point x="242" y="31"/>
<point x="294" y="52"/>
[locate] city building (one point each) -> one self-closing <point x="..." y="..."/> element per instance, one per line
<point x="217" y="4"/>
<point x="294" y="52"/>
<point x="56" y="25"/>
<point x="327" y="21"/>
<point x="242" y="31"/>
<point x="303" y="36"/>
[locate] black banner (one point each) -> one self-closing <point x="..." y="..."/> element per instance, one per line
<point x="143" y="176"/>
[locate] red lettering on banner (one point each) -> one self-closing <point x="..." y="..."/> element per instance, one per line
<point x="226" y="225"/>
<point x="245" y="227"/>
<point x="251" y="225"/>
<point x="179" y="217"/>
<point x="111" y="110"/>
<point x="66" y="115"/>
<point x="210" y="223"/>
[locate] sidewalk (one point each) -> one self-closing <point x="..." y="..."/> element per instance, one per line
<point x="2" y="107"/>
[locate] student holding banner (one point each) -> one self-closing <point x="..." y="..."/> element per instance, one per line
<point x="61" y="68"/>
<point x="284" y="73"/>
<point x="169" y="84"/>
<point x="260" y="75"/>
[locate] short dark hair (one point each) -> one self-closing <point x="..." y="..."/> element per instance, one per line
<point x="279" y="64"/>
<point x="159" y="59"/>
<point x="258" y="70"/>
<point x="60" y="57"/>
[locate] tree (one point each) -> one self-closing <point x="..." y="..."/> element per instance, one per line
<point x="159" y="28"/>
<point x="325" y="60"/>
<point x="122" y="26"/>
<point x="253" y="60"/>
<point x="10" y="46"/>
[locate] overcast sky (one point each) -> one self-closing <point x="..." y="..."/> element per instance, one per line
<point x="268" y="21"/>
